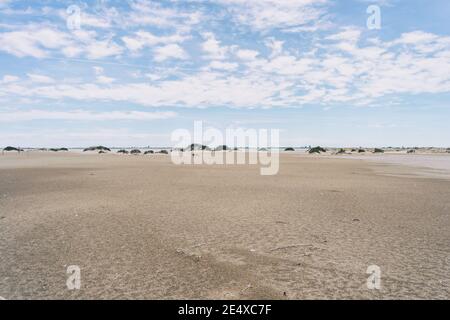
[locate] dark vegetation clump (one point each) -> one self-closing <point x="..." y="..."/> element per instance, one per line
<point x="222" y="148"/>
<point x="317" y="150"/>
<point x="411" y="151"/>
<point x="196" y="146"/>
<point x="164" y="152"/>
<point x="149" y="152"/>
<point x="340" y="151"/>
<point x="97" y="148"/>
<point x="9" y="148"/>
<point x="377" y="150"/>
<point x="59" y="149"/>
<point x="123" y="151"/>
<point x="289" y="149"/>
<point x="361" y="151"/>
<point x="135" y="151"/>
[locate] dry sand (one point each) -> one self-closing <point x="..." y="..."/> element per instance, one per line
<point x="141" y="227"/>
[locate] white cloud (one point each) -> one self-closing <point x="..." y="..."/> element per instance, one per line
<point x="39" y="41"/>
<point x="29" y="42"/>
<point x="170" y="51"/>
<point x="246" y="54"/>
<point x="105" y="80"/>
<point x="150" y="13"/>
<point x="37" y="78"/>
<point x="98" y="70"/>
<point x="275" y="45"/>
<point x="348" y="35"/>
<point x="221" y="65"/>
<point x="213" y="48"/>
<point x="416" y="37"/>
<point x="102" y="49"/>
<point x="143" y="39"/>
<point x="9" y="78"/>
<point x="201" y="90"/>
<point x="96" y="21"/>
<point x="262" y="15"/>
<point x="335" y="66"/>
<point x="338" y="73"/>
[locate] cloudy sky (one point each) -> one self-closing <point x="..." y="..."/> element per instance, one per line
<point x="119" y="73"/>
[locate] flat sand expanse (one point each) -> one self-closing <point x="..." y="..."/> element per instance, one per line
<point x="141" y="227"/>
<point x="429" y="165"/>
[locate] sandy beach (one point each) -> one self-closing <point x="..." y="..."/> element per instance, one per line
<point x="141" y="227"/>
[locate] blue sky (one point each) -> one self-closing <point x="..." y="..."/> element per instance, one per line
<point x="128" y="73"/>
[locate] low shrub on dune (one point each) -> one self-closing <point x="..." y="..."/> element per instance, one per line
<point x="377" y="150"/>
<point x="123" y="151"/>
<point x="9" y="148"/>
<point x="149" y="152"/>
<point x="289" y="149"/>
<point x="59" y="149"/>
<point x="317" y="150"/>
<point x="221" y="148"/>
<point x="97" y="148"/>
<point x="197" y="147"/>
<point x="135" y="151"/>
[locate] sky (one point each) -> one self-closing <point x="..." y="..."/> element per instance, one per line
<point x="129" y="73"/>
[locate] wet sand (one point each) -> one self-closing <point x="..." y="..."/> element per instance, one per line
<point x="421" y="164"/>
<point x="141" y="227"/>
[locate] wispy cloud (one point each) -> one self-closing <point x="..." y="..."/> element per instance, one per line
<point x="344" y="71"/>
<point x="83" y="115"/>
<point x="264" y="15"/>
